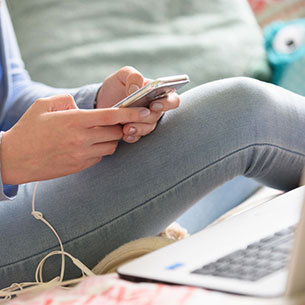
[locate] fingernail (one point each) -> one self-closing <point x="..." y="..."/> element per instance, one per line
<point x="132" y="130"/>
<point x="133" y="88"/>
<point x="144" y="112"/>
<point x="130" y="138"/>
<point x="157" y="106"/>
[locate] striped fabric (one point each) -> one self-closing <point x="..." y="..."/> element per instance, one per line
<point x="267" y="11"/>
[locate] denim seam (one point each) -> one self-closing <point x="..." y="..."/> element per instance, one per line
<point x="154" y="197"/>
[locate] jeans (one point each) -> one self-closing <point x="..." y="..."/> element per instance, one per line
<point x="223" y="129"/>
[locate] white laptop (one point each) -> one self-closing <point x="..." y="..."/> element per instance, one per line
<point x="259" y="252"/>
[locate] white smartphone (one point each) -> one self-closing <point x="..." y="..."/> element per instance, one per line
<point x="154" y="90"/>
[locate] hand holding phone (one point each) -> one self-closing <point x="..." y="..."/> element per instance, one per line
<point x="154" y="90"/>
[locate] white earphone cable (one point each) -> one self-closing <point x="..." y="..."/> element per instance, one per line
<point x="18" y="288"/>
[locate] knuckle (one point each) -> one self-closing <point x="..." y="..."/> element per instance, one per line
<point x="127" y="68"/>
<point x="75" y="162"/>
<point x="128" y="115"/>
<point x="131" y="116"/>
<point x="112" y="148"/>
<point x="153" y="118"/>
<point x="98" y="159"/>
<point x="108" y="118"/>
<point x="69" y="128"/>
<point x="81" y="139"/>
<point x="178" y="101"/>
<point x="153" y="127"/>
<point x="119" y="131"/>
<point x="77" y="140"/>
<point x="82" y="166"/>
<point x="91" y="162"/>
<point x="67" y="97"/>
<point x="77" y="157"/>
<point x="71" y="124"/>
<point x="148" y="130"/>
<point x="38" y="101"/>
<point x="123" y="72"/>
<point x="75" y="167"/>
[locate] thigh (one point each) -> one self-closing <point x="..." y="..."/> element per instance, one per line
<point x="222" y="129"/>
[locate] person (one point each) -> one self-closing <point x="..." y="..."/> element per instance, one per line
<point x="108" y="176"/>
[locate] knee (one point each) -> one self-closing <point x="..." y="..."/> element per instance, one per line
<point x="249" y="93"/>
<point x="232" y="103"/>
<point x="252" y="101"/>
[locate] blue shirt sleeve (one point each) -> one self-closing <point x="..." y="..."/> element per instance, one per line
<point x="20" y="92"/>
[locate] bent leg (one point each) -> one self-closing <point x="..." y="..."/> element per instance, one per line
<point x="217" y="202"/>
<point x="221" y="130"/>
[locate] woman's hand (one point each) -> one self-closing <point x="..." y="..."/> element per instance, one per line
<point x="54" y="138"/>
<point x="121" y="84"/>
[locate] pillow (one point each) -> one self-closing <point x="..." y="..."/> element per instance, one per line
<point x="74" y="42"/>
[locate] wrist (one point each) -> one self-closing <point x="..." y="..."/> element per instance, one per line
<point x="3" y="160"/>
<point x="97" y="97"/>
<point x="95" y="106"/>
<point x="10" y="174"/>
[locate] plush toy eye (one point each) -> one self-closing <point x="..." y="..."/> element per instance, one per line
<point x="289" y="39"/>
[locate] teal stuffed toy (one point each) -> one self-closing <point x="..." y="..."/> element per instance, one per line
<point x="285" y="46"/>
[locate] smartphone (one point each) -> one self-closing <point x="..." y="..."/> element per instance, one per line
<point x="154" y="90"/>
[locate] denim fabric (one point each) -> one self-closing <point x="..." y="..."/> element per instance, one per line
<point x="225" y="197"/>
<point x="222" y="129"/>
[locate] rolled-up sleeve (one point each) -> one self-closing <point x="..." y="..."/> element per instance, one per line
<point x="21" y="92"/>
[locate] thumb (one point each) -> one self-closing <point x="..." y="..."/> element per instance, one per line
<point x="132" y="88"/>
<point x="58" y="103"/>
<point x="134" y="82"/>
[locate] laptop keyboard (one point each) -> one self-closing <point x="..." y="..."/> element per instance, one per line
<point x="256" y="261"/>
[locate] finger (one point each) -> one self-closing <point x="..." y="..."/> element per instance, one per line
<point x="131" y="78"/>
<point x="57" y="103"/>
<point x="102" y="149"/>
<point x="138" y="129"/>
<point x="170" y="102"/>
<point x="114" y="116"/>
<point x="135" y="81"/>
<point x="90" y="162"/>
<point x="131" y="139"/>
<point x="104" y="134"/>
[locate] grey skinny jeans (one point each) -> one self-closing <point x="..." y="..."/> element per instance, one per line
<point x="222" y="129"/>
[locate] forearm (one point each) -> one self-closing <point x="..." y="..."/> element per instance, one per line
<point x="25" y="93"/>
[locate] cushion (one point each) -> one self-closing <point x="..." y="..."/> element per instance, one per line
<point x="74" y="42"/>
